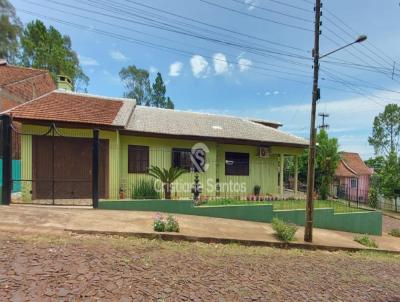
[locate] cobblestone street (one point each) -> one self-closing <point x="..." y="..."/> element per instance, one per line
<point x="81" y="267"/>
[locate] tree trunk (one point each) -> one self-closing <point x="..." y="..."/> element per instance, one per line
<point x="167" y="190"/>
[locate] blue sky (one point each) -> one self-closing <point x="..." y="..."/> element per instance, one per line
<point x="237" y="79"/>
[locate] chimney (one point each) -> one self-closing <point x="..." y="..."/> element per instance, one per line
<point x="64" y="83"/>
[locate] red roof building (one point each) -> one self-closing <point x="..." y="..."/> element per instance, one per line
<point x="352" y="177"/>
<point x="19" y="84"/>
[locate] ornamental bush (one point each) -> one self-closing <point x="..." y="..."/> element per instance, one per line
<point x="159" y="223"/>
<point x="172" y="224"/>
<point x="284" y="231"/>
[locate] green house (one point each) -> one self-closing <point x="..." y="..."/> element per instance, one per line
<point x="231" y="155"/>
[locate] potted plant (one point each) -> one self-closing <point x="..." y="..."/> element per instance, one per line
<point x="167" y="177"/>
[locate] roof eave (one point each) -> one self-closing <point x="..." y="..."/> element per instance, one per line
<point x="213" y="138"/>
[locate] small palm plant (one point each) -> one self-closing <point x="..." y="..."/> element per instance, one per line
<point x="167" y="177"/>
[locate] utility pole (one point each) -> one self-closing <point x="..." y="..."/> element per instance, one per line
<point x="311" y="158"/>
<point x="323" y="115"/>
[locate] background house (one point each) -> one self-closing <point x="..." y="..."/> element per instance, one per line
<point x="19" y="85"/>
<point x="352" y="178"/>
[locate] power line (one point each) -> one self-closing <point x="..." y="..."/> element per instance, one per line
<point x="324" y="116"/>
<point x="161" y="47"/>
<point x="256" y="17"/>
<point x="274" y="11"/>
<point x="167" y="27"/>
<point x="216" y="26"/>
<point x="353" y="30"/>
<point x="291" y="5"/>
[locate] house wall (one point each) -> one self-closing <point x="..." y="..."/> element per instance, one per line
<point x="262" y="171"/>
<point x="361" y="192"/>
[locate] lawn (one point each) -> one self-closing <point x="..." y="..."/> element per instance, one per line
<point x="339" y="206"/>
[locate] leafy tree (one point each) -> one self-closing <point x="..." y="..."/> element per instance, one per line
<point x="326" y="162"/>
<point x="159" y="91"/>
<point x="376" y="163"/>
<point x="385" y="136"/>
<point x="10" y="30"/>
<point x="169" y="104"/>
<point x="389" y="176"/>
<point x="47" y="48"/>
<point x="327" y="159"/>
<point x="137" y="83"/>
<point x="138" y="87"/>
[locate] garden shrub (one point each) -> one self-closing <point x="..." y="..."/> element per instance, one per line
<point x="366" y="241"/>
<point x="395" y="232"/>
<point x="172" y="224"/>
<point x="159" y="223"/>
<point x="145" y="189"/>
<point x="373" y="198"/>
<point x="284" y="231"/>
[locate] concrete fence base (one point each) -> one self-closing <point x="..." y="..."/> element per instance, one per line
<point x="364" y="222"/>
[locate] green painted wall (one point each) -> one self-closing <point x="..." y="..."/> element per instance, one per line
<point x="263" y="171"/>
<point x="160" y="154"/>
<point x="366" y="222"/>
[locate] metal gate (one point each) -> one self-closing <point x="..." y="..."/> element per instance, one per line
<point x="50" y="166"/>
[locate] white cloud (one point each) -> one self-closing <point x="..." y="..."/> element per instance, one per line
<point x="251" y="4"/>
<point x="267" y="93"/>
<point x="220" y="63"/>
<point x="153" y="69"/>
<point x="276" y="92"/>
<point x="118" y="55"/>
<point x="175" y="69"/>
<point x="244" y="64"/>
<point x="199" y="66"/>
<point x="87" y="61"/>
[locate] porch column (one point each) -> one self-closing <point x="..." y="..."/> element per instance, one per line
<point x="7" y="160"/>
<point x="281" y="174"/>
<point x="95" y="169"/>
<point x="296" y="174"/>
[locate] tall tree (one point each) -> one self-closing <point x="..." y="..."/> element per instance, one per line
<point x="138" y="87"/>
<point x="47" y="48"/>
<point x="326" y="163"/>
<point x="389" y="176"/>
<point x="159" y="90"/>
<point x="137" y="83"/>
<point x="385" y="136"/>
<point x="10" y="30"/>
<point x="169" y="104"/>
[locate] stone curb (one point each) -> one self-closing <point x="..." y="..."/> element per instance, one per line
<point x="179" y="237"/>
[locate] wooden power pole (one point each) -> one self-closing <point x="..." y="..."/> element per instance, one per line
<point x="308" y="234"/>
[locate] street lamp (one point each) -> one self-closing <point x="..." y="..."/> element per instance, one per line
<point x="360" y="39"/>
<point x="313" y="131"/>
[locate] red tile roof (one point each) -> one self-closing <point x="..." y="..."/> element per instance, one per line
<point x="11" y="74"/>
<point x="25" y="83"/>
<point x="70" y="107"/>
<point x="351" y="165"/>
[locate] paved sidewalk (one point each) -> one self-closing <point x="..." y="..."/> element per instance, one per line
<point x="57" y="219"/>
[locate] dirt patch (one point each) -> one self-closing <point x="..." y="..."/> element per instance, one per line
<point x="82" y="267"/>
